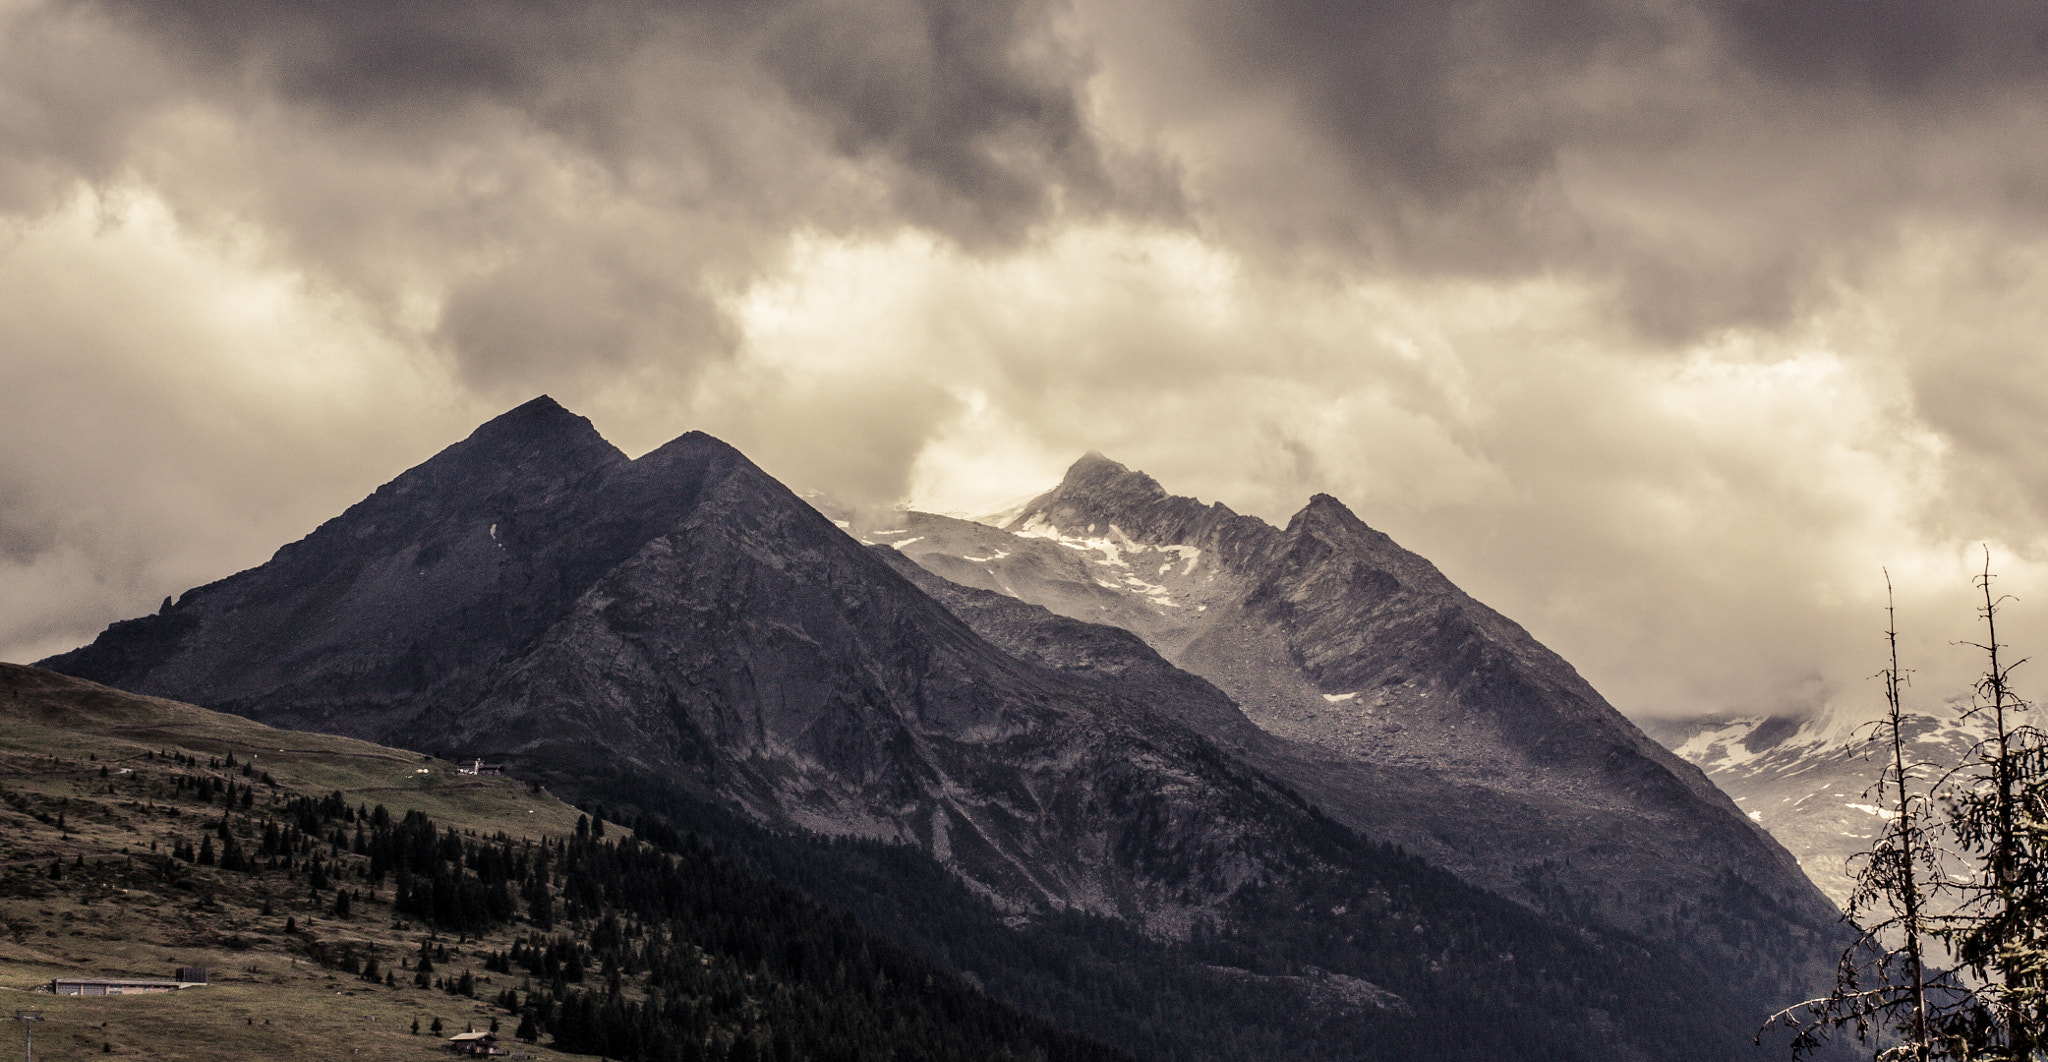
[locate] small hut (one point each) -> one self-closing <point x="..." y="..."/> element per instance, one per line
<point x="475" y="1044"/>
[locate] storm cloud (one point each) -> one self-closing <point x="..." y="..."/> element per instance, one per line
<point x="1661" y="326"/>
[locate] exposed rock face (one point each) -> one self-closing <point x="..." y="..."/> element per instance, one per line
<point x="1375" y="686"/>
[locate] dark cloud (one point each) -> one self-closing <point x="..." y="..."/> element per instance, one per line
<point x="29" y="526"/>
<point x="581" y="312"/>
<point x="1481" y="138"/>
<point x="575" y="186"/>
<point x="71" y="98"/>
<point x="1719" y="162"/>
<point x="1899" y="48"/>
<point x="973" y="106"/>
<point x="1434" y="102"/>
<point x="1676" y="294"/>
<point x="364" y="55"/>
<point x="940" y="87"/>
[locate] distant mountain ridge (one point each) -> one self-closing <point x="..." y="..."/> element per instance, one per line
<point x="681" y="627"/>
<point x="1810" y="781"/>
<point x="1411" y="711"/>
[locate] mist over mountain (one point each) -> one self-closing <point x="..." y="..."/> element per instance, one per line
<point x="680" y="634"/>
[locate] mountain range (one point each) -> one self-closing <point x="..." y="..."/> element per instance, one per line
<point x="1123" y="724"/>
<point x="1406" y="708"/>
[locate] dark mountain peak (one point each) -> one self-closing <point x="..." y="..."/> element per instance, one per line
<point x="1094" y="465"/>
<point x="1098" y="493"/>
<point x="409" y="595"/>
<point x="539" y="419"/>
<point x="695" y="462"/>
<point x="1324" y="513"/>
<point x="533" y="450"/>
<point x="540" y="406"/>
<point x="1095" y="477"/>
<point x="1336" y="529"/>
<point x="537" y="427"/>
<point x="1324" y="517"/>
<point x="691" y="446"/>
<point x="1327" y="507"/>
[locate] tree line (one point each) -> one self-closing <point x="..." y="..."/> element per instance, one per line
<point x="635" y="951"/>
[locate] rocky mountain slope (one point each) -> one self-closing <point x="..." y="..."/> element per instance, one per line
<point x="680" y="628"/>
<point x="1408" y="709"/>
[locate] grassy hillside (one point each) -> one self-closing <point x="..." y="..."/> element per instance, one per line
<point x="309" y="874"/>
<point x="88" y="780"/>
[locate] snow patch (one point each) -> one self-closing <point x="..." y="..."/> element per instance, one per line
<point x="1158" y="594"/>
<point x="942" y="836"/>
<point x="1333" y="698"/>
<point x="1003" y="516"/>
<point x="1721" y="747"/>
<point x="1111" y="546"/>
<point x="1113" y="558"/>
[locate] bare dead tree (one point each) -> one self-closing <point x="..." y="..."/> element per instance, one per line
<point x="1884" y="991"/>
<point x="1904" y="850"/>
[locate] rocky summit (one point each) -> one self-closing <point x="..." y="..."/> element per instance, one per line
<point x="1243" y="778"/>
<point x="1404" y="707"/>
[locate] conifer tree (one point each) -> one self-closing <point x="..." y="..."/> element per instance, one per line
<point x="2000" y="930"/>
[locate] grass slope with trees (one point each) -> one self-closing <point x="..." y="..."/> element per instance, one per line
<point x="348" y="898"/>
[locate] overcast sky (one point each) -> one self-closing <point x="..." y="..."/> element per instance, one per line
<point x="1661" y="326"/>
